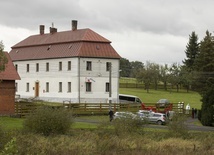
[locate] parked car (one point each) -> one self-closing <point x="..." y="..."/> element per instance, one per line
<point x="157" y="118"/>
<point x="163" y="102"/>
<point x="119" y="115"/>
<point x="143" y="113"/>
<point x="152" y="117"/>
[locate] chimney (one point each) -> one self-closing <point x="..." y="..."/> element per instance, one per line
<point x="42" y="29"/>
<point x="74" y="25"/>
<point x="53" y="30"/>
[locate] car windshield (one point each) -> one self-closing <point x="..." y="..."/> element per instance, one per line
<point x="163" y="101"/>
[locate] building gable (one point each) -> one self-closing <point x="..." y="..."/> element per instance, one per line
<point x="10" y="72"/>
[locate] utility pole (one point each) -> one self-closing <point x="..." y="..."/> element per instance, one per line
<point x="110" y="83"/>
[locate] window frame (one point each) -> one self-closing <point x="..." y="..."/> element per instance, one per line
<point x="107" y="87"/>
<point x="60" y="87"/>
<point x="27" y="87"/>
<point x="60" y="66"/>
<point x="88" y="65"/>
<point x="47" y="87"/>
<point x="37" y="67"/>
<point x="108" y="65"/>
<point x="28" y="68"/>
<point x="69" y="87"/>
<point x="47" y="66"/>
<point x="16" y="66"/>
<point x="88" y="87"/>
<point x="69" y="65"/>
<point x="16" y="87"/>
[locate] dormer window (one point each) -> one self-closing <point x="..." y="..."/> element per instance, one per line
<point x="49" y="47"/>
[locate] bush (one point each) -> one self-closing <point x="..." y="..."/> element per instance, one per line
<point x="47" y="120"/>
<point x="177" y="126"/>
<point x="125" y="125"/>
<point x="5" y="137"/>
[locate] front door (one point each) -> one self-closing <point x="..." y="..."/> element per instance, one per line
<point x="36" y="89"/>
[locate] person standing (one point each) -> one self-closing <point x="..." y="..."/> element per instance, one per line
<point x="111" y="114"/>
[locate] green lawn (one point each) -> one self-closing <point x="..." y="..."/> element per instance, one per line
<point x="11" y="123"/>
<point x="193" y="98"/>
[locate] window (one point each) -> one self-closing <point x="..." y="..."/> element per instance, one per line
<point x="47" y="67"/>
<point x="47" y="86"/>
<point x="60" y="66"/>
<point x="108" y="65"/>
<point x="16" y="87"/>
<point x="69" y="87"/>
<point x="107" y="87"/>
<point x="69" y="65"/>
<point x="60" y="86"/>
<point x="16" y="66"/>
<point x="28" y="67"/>
<point x="27" y="87"/>
<point x="88" y="86"/>
<point x="88" y="66"/>
<point x="37" y="67"/>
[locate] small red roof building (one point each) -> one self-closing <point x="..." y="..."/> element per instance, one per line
<point x="7" y="87"/>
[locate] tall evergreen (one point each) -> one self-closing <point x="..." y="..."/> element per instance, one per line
<point x="205" y="59"/>
<point x="192" y="49"/>
<point x="204" y="66"/>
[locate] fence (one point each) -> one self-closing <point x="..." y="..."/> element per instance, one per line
<point x="23" y="109"/>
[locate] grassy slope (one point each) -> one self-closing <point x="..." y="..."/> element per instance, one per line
<point x="193" y="98"/>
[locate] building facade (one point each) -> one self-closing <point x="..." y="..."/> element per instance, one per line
<point x="70" y="66"/>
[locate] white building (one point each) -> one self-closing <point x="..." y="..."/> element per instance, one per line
<point x="67" y="66"/>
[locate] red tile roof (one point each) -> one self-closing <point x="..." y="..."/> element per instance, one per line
<point x="10" y="72"/>
<point x="78" y="43"/>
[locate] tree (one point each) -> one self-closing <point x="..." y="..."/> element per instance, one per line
<point x="204" y="69"/>
<point x="155" y="69"/>
<point x="187" y="70"/>
<point x="174" y="75"/>
<point x="204" y="63"/>
<point x="125" y="66"/>
<point x="187" y="78"/>
<point x="164" y="75"/>
<point x="192" y="50"/>
<point x="207" y="108"/>
<point x="136" y="66"/>
<point x="3" y="58"/>
<point x="146" y="75"/>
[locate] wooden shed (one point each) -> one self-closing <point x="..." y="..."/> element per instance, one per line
<point x="8" y="88"/>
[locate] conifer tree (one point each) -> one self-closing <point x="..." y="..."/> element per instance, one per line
<point x="191" y="51"/>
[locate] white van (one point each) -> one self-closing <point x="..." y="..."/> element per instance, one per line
<point x="123" y="98"/>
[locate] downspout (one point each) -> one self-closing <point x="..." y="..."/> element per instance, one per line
<point x="118" y="81"/>
<point x="79" y="79"/>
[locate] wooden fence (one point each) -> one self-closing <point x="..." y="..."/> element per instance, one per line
<point x="23" y="109"/>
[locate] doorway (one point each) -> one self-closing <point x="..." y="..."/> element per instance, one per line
<point x="37" y="89"/>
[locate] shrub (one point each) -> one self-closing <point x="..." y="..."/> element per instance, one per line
<point x="10" y="147"/>
<point x="177" y="126"/>
<point x="5" y="137"/>
<point x="46" y="120"/>
<point x="125" y="125"/>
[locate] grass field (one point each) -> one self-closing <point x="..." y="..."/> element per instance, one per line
<point x="193" y="98"/>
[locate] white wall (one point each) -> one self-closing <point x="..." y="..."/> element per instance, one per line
<point x="98" y="73"/>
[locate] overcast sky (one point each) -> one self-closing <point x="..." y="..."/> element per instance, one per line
<point x="140" y="30"/>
